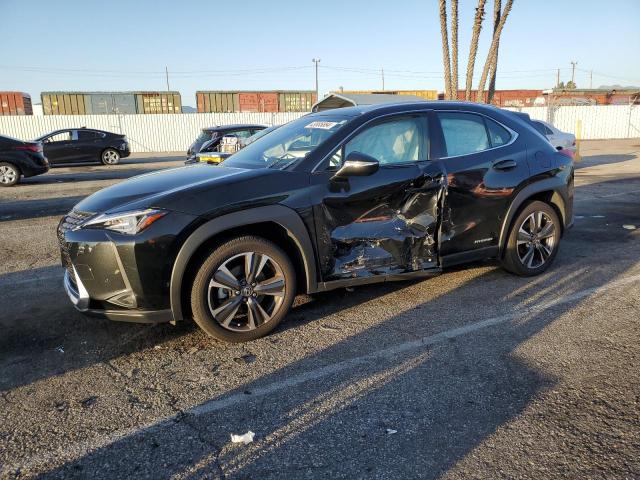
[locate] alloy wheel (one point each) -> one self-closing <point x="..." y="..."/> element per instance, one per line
<point x="8" y="175"/>
<point x="110" y="157"/>
<point x="246" y="291"/>
<point x="537" y="237"/>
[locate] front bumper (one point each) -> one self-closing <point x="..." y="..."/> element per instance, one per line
<point x="117" y="276"/>
<point x="80" y="299"/>
<point x="124" y="152"/>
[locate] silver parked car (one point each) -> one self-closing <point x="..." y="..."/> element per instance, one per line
<point x="560" y="140"/>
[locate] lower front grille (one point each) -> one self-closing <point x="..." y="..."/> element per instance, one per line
<point x="73" y="219"/>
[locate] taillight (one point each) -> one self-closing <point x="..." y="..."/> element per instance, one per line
<point x="37" y="148"/>
<point x="566" y="153"/>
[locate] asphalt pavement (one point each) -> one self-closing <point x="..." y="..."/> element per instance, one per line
<point x="471" y="374"/>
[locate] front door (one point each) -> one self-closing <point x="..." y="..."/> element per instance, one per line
<point x="61" y="147"/>
<point x="385" y="223"/>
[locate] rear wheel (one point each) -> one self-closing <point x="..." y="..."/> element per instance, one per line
<point x="533" y="240"/>
<point x="110" y="157"/>
<point x="243" y="289"/>
<point x="9" y="174"/>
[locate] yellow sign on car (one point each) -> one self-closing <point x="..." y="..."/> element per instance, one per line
<point x="211" y="157"/>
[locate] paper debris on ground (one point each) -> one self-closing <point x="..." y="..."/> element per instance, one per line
<point x="629" y="227"/>
<point x="246" y="438"/>
<point x="391" y="431"/>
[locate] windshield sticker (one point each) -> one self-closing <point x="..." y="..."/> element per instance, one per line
<point x="322" y="125"/>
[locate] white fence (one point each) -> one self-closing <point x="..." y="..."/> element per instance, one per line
<point x="593" y="121"/>
<point x="171" y="133"/>
<point x="146" y="133"/>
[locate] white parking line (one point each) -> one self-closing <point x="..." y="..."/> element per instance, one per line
<point x="78" y="449"/>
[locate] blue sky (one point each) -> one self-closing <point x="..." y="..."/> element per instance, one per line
<point x="206" y="45"/>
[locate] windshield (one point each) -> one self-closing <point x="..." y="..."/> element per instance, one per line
<point x="204" y="136"/>
<point x="287" y="144"/>
<point x="260" y="134"/>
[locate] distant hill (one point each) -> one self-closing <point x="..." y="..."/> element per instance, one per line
<point x="187" y="109"/>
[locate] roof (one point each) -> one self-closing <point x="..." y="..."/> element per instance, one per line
<point x="234" y="126"/>
<point x="341" y="100"/>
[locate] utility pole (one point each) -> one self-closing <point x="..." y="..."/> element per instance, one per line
<point x="558" y="79"/>
<point x="573" y="72"/>
<point x="166" y="72"/>
<point x="316" y="61"/>
<point x="382" y="72"/>
<point x="590" y="79"/>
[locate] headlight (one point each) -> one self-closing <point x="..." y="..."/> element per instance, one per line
<point x="128" y="223"/>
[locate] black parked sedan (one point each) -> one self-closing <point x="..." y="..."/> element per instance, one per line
<point x="334" y="199"/>
<point x="77" y="145"/>
<point x="20" y="159"/>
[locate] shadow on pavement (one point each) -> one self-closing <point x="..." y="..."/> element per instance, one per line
<point x="444" y="399"/>
<point x="591" y="160"/>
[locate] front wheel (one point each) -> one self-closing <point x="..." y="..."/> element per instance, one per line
<point x="9" y="174"/>
<point x="243" y="289"/>
<point x="533" y="240"/>
<point x="110" y="157"/>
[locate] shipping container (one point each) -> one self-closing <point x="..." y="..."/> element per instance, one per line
<point x="258" y="101"/>
<point x="107" y="103"/>
<point x="158" y="102"/>
<point x="506" y="98"/>
<point x="15" y="103"/>
<point x="425" y="94"/>
<point x="255" y="101"/>
<point x="296" y="101"/>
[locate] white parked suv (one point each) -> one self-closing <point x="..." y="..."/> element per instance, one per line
<point x="556" y="137"/>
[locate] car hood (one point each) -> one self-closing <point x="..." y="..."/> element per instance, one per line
<point x="194" y="189"/>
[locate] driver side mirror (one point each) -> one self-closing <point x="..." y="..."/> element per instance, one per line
<point x="357" y="165"/>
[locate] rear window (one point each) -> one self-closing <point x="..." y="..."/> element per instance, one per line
<point x="539" y="127"/>
<point x="464" y="133"/>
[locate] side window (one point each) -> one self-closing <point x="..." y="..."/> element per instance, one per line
<point x="61" y="137"/>
<point x="396" y="141"/>
<point x="547" y="130"/>
<point x="464" y="133"/>
<point x="88" y="135"/>
<point x="497" y="133"/>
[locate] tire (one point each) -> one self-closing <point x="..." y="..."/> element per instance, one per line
<point x="533" y="240"/>
<point x="9" y="174"/>
<point x="243" y="314"/>
<point x="110" y="156"/>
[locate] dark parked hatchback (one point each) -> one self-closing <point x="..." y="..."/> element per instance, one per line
<point x="209" y="138"/>
<point x="20" y="159"/>
<point x="77" y="145"/>
<point x="334" y="199"/>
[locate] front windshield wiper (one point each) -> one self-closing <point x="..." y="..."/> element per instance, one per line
<point x="286" y="161"/>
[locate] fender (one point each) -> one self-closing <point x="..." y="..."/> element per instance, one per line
<point x="283" y="216"/>
<point x="559" y="198"/>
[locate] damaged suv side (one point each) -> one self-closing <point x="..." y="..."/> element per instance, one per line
<point x="339" y="198"/>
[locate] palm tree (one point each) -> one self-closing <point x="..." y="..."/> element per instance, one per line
<point x="454" y="50"/>
<point x="494" y="66"/>
<point x="493" y="50"/>
<point x="475" y="35"/>
<point x="445" y="49"/>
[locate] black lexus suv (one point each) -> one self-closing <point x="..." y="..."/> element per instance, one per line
<point x="339" y="198"/>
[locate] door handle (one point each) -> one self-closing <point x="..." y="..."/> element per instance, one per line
<point x="505" y="164"/>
